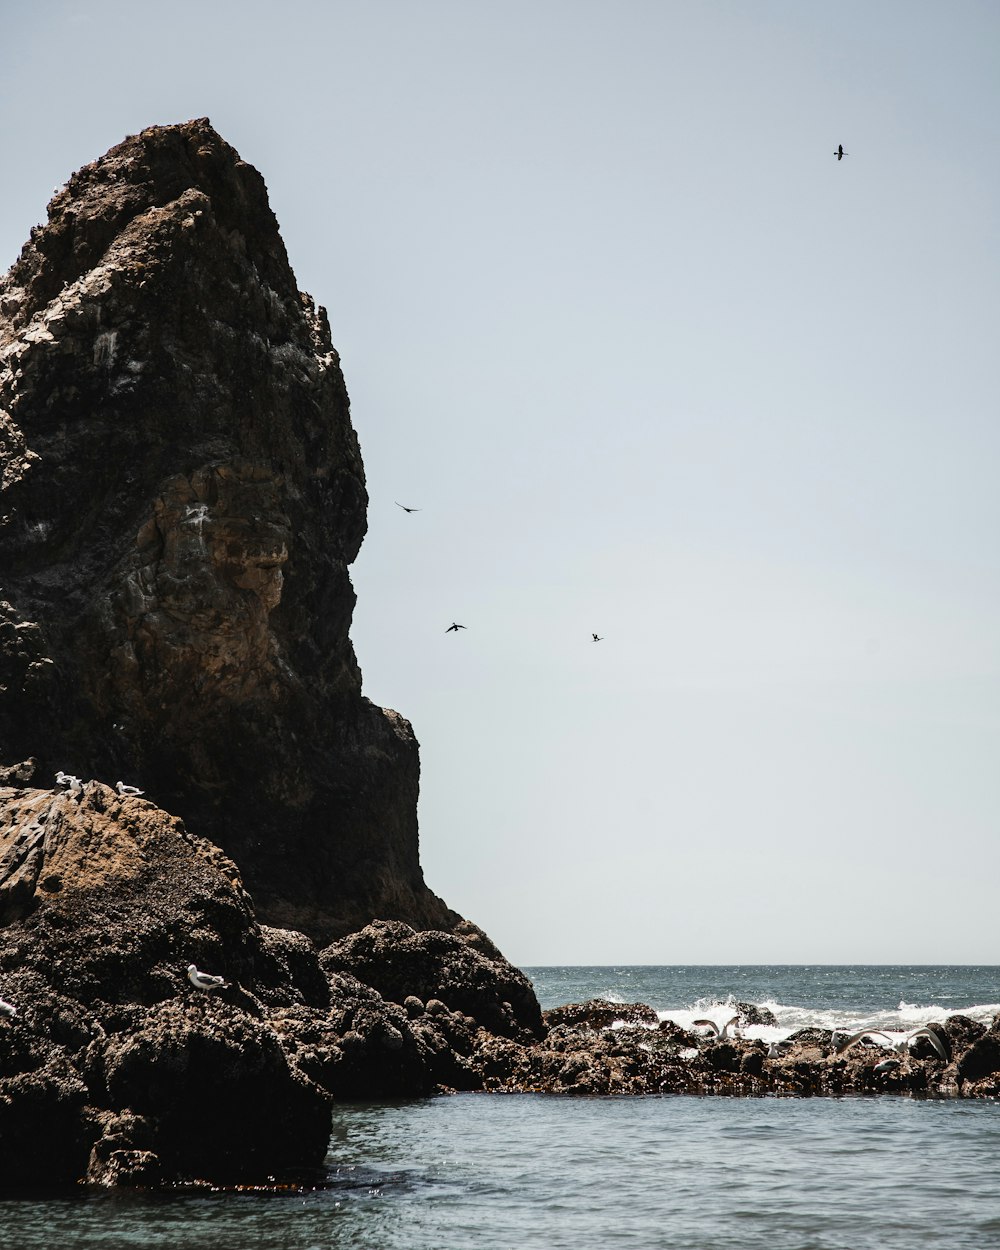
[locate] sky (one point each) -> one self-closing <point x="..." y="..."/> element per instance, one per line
<point x="651" y="363"/>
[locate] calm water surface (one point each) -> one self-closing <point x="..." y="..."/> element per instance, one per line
<point x="527" y="1171"/>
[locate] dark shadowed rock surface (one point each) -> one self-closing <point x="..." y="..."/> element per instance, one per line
<point x="403" y="964"/>
<point x="181" y="493"/>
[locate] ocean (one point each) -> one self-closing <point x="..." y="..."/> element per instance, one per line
<point x="497" y="1172"/>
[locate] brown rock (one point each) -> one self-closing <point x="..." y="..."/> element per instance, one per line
<point x="181" y="494"/>
<point x="598" y="1013"/>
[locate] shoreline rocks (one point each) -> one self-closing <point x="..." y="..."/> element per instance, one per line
<point x="115" y="1070"/>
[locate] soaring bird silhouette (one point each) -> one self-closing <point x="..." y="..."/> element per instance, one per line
<point x="840" y="153"/>
<point x="405" y="508"/>
<point x="454" y="626"/>
<point x="596" y="639"/>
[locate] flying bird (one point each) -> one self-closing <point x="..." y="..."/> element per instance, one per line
<point x="596" y="639"/>
<point x="723" y="1033"/>
<point x="205" y="980"/>
<point x="123" y="789"/>
<point x="405" y="508"/>
<point x="840" y="153"/>
<point x="901" y="1046"/>
<point x="454" y="626"/>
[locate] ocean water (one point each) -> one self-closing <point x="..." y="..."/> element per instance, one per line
<point x="493" y="1172"/>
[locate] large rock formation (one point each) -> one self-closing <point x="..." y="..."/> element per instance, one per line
<point x="115" y="1069"/>
<point x="181" y="494"/>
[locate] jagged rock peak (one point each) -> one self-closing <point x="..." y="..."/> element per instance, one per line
<point x="149" y="171"/>
<point x="181" y="493"/>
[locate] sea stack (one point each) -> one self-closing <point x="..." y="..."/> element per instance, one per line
<point x="181" y="494"/>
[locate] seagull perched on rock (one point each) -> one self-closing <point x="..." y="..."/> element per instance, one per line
<point x="205" y="980"/>
<point x="123" y="789"/>
<point x="840" y="153"/>
<point x="7" y="1009"/>
<point x="454" y="626"/>
<point x="723" y="1033"/>
<point x="68" y="780"/>
<point x="405" y="508"/>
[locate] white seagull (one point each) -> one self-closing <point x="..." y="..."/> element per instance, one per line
<point x="205" y="980"/>
<point x="723" y="1033"/>
<point x="7" y="1009"/>
<point x="123" y="789"/>
<point x="901" y="1046"/>
<point x="67" y="779"/>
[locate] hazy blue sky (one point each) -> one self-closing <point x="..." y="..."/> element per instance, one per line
<point x="652" y="363"/>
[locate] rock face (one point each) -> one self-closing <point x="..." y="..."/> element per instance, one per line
<point x="181" y="494"/>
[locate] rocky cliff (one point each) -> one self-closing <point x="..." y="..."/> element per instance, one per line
<point x="181" y="494"/>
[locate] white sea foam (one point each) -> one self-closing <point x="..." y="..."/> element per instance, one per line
<point x="790" y="1018"/>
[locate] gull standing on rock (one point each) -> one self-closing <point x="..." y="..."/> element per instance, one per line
<point x="205" y="980"/>
<point x="123" y="789"/>
<point x="67" y="779"/>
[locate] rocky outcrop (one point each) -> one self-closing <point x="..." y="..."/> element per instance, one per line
<point x="115" y="1069"/>
<point x="584" y="1052"/>
<point x="181" y="494"/>
<point x="407" y="967"/>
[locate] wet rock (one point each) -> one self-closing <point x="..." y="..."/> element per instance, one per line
<point x="982" y="1058"/>
<point x="401" y="963"/>
<point x="752" y="1013"/>
<point x="598" y="1013"/>
<point x="961" y="1032"/>
<point x="45" y="1135"/>
<point x="121" y="1156"/>
<point x="216" y="1084"/>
